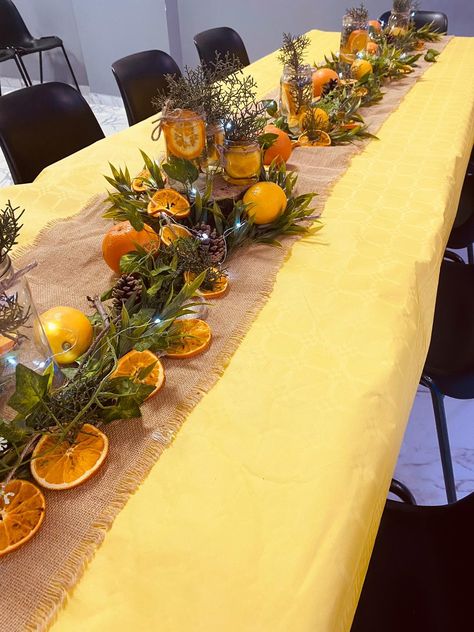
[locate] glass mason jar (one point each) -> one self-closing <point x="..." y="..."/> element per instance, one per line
<point x="354" y="38"/>
<point x="214" y="145"/>
<point x="295" y="95"/>
<point x="22" y="338"/>
<point x="185" y="135"/>
<point x="399" y="22"/>
<point x="242" y="161"/>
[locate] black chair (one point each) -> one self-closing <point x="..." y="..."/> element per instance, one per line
<point x="15" y="34"/>
<point x="222" y="40"/>
<point x="449" y="367"/>
<point x="420" y="572"/>
<point x="139" y="77"/>
<point x="422" y="18"/>
<point x="42" y="124"/>
<point x="9" y="53"/>
<point x="462" y="234"/>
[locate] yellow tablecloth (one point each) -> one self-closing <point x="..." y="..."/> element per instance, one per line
<point x="261" y="516"/>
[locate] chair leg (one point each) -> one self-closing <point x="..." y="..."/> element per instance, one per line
<point x="24" y="73"/>
<point x="70" y="68"/>
<point x="437" y="399"/>
<point x="470" y="254"/>
<point x="41" y="65"/>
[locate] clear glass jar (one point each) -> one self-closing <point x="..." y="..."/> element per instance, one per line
<point x="295" y="95"/>
<point x="214" y="147"/>
<point x="242" y="161"/>
<point x="354" y="38"/>
<point x="399" y="22"/>
<point x="22" y="338"/>
<point x="185" y="134"/>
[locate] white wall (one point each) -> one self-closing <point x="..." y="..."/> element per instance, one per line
<point x="51" y="17"/>
<point x="97" y="32"/>
<point x="261" y="23"/>
<point x="111" y="29"/>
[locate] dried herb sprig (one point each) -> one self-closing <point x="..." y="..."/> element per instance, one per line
<point x="246" y="123"/>
<point x="358" y="14"/>
<point x="205" y="88"/>
<point x="13" y="315"/>
<point x="292" y="55"/>
<point x="402" y="6"/>
<point x="9" y="228"/>
<point x="292" y="52"/>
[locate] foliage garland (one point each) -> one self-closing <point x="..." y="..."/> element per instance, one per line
<point x="166" y="295"/>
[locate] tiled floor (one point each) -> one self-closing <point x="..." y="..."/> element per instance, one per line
<point x="418" y="465"/>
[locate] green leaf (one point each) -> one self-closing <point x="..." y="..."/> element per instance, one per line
<point x="182" y="170"/>
<point x="13" y="433"/>
<point x="266" y="140"/>
<point x="31" y="387"/>
<point x="431" y="55"/>
<point x="145" y="371"/>
<point x="271" y="106"/>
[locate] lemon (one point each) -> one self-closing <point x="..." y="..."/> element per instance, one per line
<point x="266" y="201"/>
<point x="68" y="331"/>
<point x="360" y="68"/>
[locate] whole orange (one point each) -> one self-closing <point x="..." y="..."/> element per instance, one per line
<point x="122" y="238"/>
<point x="281" y="148"/>
<point x="320" y="78"/>
<point x="372" y="48"/>
<point x="375" y="24"/>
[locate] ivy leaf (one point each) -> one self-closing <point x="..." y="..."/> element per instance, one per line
<point x="31" y="387"/>
<point x="13" y="433"/>
<point x="129" y="397"/>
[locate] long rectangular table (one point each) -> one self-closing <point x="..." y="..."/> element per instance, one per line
<point x="262" y="515"/>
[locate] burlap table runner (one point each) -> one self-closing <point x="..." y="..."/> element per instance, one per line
<point x="35" y="580"/>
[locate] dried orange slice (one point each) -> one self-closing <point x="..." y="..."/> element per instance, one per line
<point x="220" y="286"/>
<point x="321" y="139"/>
<point x="350" y="126"/>
<point x="134" y="361"/>
<point x="171" y="232"/>
<point x="5" y="344"/>
<point x="185" y="136"/>
<point x="170" y="202"/>
<point x="196" y="338"/>
<point x="22" y="507"/>
<point x="357" y="41"/>
<point x="65" y="464"/>
<point x="138" y="184"/>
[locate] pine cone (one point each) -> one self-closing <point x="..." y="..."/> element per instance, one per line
<point x="329" y="87"/>
<point x="126" y="286"/>
<point x="211" y="243"/>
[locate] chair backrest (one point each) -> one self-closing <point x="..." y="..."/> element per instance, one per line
<point x="139" y="77"/>
<point x="43" y="124"/>
<point x="421" y="18"/>
<point x="222" y="40"/>
<point x="419" y="573"/>
<point x="13" y="30"/>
